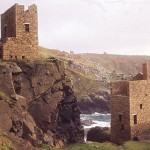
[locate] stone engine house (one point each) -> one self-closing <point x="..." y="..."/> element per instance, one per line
<point x="130" y="108"/>
<point x="19" y="33"/>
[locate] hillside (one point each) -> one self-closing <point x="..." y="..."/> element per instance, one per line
<point x="91" y="74"/>
<point x="102" y="67"/>
<point x="100" y="64"/>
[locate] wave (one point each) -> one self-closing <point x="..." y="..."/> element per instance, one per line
<point x="102" y="114"/>
<point x="98" y="123"/>
<point x="97" y="119"/>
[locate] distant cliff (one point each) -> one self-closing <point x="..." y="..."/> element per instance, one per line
<point x="99" y="66"/>
<point x="38" y="104"/>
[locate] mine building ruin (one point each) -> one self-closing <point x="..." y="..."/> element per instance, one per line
<point x="130" y="108"/>
<point x="19" y="33"/>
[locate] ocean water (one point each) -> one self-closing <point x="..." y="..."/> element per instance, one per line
<point x="96" y="119"/>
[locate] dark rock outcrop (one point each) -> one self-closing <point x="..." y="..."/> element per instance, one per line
<point x="95" y="102"/>
<point x="98" y="134"/>
<point x="38" y="103"/>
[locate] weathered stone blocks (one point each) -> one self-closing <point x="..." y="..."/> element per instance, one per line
<point x="17" y="41"/>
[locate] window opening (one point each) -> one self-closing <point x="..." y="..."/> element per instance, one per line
<point x="27" y="28"/>
<point x="11" y="56"/>
<point x="135" y="119"/>
<point x="5" y="30"/>
<point x="120" y="118"/>
<point x="122" y="127"/>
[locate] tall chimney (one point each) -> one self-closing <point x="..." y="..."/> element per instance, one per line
<point x="145" y="72"/>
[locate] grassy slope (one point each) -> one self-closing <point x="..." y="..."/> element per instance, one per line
<point x="121" y="63"/>
<point x="105" y="146"/>
<point x="5" y="143"/>
<point x="83" y="84"/>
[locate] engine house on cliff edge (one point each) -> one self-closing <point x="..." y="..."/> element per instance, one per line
<point x="130" y="108"/>
<point x="19" y="33"/>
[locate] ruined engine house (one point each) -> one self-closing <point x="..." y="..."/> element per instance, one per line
<point x="130" y="108"/>
<point x="19" y="33"/>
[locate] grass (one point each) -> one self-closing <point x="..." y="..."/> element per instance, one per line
<point x="46" y="147"/>
<point x="136" y="146"/>
<point x="103" y="146"/>
<point x="4" y="96"/>
<point x="83" y="84"/>
<point x="5" y="143"/>
<point x="92" y="146"/>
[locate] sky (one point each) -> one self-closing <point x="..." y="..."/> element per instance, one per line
<point x="92" y="26"/>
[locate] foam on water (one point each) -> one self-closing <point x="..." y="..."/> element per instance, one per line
<point x="97" y="119"/>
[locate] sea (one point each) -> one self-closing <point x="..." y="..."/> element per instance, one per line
<point x="95" y="119"/>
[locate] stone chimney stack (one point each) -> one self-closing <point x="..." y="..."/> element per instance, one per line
<point x="145" y="72"/>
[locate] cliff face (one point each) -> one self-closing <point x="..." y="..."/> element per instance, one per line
<point x="38" y="103"/>
<point x="95" y="102"/>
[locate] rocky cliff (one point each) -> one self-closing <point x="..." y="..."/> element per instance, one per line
<point x="91" y="75"/>
<point x="95" y="102"/>
<point x="38" y="104"/>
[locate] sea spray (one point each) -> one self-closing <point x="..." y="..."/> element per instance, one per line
<point x="93" y="120"/>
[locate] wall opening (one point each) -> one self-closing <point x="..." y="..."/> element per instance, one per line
<point x="27" y="27"/>
<point x="120" y="118"/>
<point x="23" y="57"/>
<point x="135" y="138"/>
<point x="135" y="119"/>
<point x="141" y="106"/>
<point x="15" y="57"/>
<point x="122" y="127"/>
<point x="11" y="56"/>
<point x="5" y="30"/>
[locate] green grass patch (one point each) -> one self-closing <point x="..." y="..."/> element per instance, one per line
<point x="4" y="96"/>
<point x="103" y="146"/>
<point x="136" y="146"/>
<point x="5" y="143"/>
<point x="92" y="146"/>
<point x="45" y="147"/>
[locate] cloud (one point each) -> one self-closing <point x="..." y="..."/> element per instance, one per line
<point x="114" y="26"/>
<point x="95" y="2"/>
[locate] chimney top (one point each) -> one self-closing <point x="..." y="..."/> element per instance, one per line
<point x="145" y="71"/>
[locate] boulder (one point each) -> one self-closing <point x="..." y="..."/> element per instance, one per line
<point x="99" y="134"/>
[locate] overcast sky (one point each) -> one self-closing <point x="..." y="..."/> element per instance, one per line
<point x="94" y="26"/>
